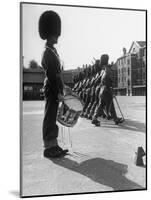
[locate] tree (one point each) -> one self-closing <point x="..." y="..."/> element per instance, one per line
<point x="33" y="64"/>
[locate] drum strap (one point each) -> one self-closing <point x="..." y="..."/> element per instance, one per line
<point x="55" y="53"/>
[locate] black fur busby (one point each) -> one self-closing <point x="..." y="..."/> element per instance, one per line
<point x="104" y="59"/>
<point x="49" y="24"/>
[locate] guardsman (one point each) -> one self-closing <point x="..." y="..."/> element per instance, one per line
<point x="91" y="97"/>
<point x="50" y="30"/>
<point x="97" y="85"/>
<point x="106" y="95"/>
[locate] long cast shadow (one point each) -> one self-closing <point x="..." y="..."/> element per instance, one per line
<point x="106" y="172"/>
<point x="131" y="125"/>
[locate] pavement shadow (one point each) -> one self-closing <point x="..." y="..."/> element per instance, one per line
<point x="131" y="125"/>
<point x="106" y="172"/>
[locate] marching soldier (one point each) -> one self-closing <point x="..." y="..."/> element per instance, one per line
<point x="106" y="95"/>
<point x="91" y="97"/>
<point x="97" y="85"/>
<point x="87" y="100"/>
<point x="95" y="93"/>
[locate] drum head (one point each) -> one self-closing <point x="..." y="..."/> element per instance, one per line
<point x="69" y="110"/>
<point x="73" y="102"/>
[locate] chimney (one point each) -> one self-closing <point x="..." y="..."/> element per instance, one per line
<point x="124" y="50"/>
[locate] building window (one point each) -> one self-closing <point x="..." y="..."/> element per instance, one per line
<point x="128" y="61"/>
<point x="119" y="71"/>
<point x="28" y="88"/>
<point x="128" y="70"/>
<point x="128" y="82"/>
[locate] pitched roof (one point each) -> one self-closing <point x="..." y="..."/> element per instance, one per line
<point x="141" y="43"/>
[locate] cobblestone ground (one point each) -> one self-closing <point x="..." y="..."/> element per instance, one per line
<point x="102" y="158"/>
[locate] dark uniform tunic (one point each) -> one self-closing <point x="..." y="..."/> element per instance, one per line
<point x="53" y="85"/>
<point x="106" y="97"/>
<point x="97" y="85"/>
<point x="88" y="97"/>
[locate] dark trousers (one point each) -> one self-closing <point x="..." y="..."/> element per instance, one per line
<point x="84" y="97"/>
<point x="96" y="101"/>
<point x="92" y="99"/>
<point x="94" y="107"/>
<point x="50" y="128"/>
<point x="106" y="102"/>
<point x="86" y="102"/>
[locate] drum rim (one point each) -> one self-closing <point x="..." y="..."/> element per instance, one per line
<point x="77" y="96"/>
<point x="62" y="122"/>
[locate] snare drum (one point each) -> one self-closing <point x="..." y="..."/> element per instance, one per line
<point x="69" y="110"/>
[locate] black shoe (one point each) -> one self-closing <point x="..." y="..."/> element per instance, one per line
<point x="89" y="117"/>
<point x="54" y="152"/>
<point x="64" y="151"/>
<point x="86" y="116"/>
<point x="109" y="117"/>
<point x="104" y="116"/>
<point x="119" y="120"/>
<point x="96" y="122"/>
<point x="82" y="115"/>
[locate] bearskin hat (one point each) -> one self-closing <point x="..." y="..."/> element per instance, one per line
<point x="104" y="59"/>
<point x="49" y="24"/>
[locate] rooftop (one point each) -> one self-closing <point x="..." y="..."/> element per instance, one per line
<point x="141" y="43"/>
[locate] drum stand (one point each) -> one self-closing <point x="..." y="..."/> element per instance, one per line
<point x="66" y="141"/>
<point x="66" y="138"/>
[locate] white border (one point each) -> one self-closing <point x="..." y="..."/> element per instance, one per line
<point x="9" y="101"/>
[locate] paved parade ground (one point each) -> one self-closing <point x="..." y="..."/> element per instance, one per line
<point x="102" y="158"/>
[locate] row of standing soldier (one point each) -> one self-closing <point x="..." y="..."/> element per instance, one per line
<point x="95" y="90"/>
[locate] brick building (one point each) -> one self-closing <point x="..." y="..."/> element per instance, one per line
<point x="114" y="77"/>
<point x="131" y="68"/>
<point x="33" y="79"/>
<point x="32" y="83"/>
<point x="68" y="76"/>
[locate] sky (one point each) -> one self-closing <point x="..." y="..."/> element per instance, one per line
<point x="87" y="33"/>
